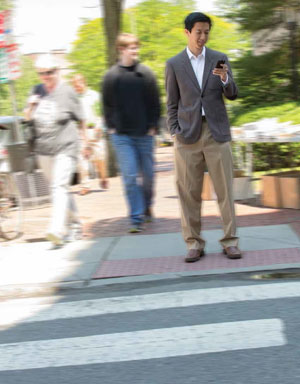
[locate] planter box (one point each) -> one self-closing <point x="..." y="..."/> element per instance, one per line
<point x="242" y="188"/>
<point x="281" y="190"/>
<point x="208" y="192"/>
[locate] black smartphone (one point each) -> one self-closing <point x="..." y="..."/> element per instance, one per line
<point x="219" y="63"/>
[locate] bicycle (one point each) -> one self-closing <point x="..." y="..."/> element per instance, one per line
<point x="14" y="156"/>
<point x="10" y="208"/>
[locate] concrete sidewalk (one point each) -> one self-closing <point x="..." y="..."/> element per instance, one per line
<point x="270" y="239"/>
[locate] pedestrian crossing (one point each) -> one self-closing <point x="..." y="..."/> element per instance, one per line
<point x="156" y="343"/>
<point x="140" y="345"/>
<point x="32" y="312"/>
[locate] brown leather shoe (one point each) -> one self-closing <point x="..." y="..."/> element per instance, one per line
<point x="104" y="184"/>
<point x="194" y="255"/>
<point x="232" y="252"/>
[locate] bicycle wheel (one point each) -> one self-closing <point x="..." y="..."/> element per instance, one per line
<point x="10" y="208"/>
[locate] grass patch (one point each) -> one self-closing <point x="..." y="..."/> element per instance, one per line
<point x="284" y="112"/>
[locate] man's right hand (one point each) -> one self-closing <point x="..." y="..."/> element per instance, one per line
<point x="33" y="100"/>
<point x="152" y="132"/>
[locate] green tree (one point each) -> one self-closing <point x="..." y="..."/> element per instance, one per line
<point x="112" y="25"/>
<point x="25" y="83"/>
<point x="275" y="73"/>
<point x="23" y="86"/>
<point x="267" y="81"/>
<point x="255" y="15"/>
<point x="263" y="80"/>
<point x="88" y="53"/>
<point x="159" y="26"/>
<point x="5" y="4"/>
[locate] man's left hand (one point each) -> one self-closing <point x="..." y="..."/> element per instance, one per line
<point x="151" y="131"/>
<point x="222" y="72"/>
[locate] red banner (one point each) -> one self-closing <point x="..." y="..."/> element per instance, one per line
<point x="2" y="18"/>
<point x="9" y="63"/>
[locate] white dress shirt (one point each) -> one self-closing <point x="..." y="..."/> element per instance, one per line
<point x="198" y="64"/>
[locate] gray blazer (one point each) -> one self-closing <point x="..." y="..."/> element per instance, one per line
<point x="185" y="98"/>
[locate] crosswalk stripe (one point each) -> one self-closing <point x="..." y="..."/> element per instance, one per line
<point x="140" y="345"/>
<point x="11" y="314"/>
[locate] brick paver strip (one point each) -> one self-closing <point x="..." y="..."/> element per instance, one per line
<point x="119" y="226"/>
<point x="133" y="267"/>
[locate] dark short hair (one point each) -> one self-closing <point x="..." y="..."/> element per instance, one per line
<point x="196" y="17"/>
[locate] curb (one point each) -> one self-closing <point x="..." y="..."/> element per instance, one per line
<point x="176" y="275"/>
<point x="9" y="292"/>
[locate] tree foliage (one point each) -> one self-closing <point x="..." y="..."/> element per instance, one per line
<point x="159" y="26"/>
<point x="5" y="4"/>
<point x="88" y="53"/>
<point x="255" y="15"/>
<point x="268" y="77"/>
<point x="22" y="87"/>
<point x="268" y="156"/>
<point x="262" y="80"/>
<point x="112" y="23"/>
<point x="285" y="112"/>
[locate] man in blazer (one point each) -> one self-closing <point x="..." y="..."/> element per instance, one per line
<point x="198" y="121"/>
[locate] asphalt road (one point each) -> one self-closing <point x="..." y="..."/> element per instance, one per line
<point x="217" y="329"/>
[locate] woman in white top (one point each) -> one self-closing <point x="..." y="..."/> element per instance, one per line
<point x="96" y="151"/>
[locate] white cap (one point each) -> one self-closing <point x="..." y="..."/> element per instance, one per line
<point x="46" y="61"/>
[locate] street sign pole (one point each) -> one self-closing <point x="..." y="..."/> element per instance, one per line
<point x="16" y="134"/>
<point x="9" y="64"/>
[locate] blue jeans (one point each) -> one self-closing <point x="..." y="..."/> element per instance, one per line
<point x="135" y="158"/>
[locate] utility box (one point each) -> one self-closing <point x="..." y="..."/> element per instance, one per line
<point x="281" y="190"/>
<point x="11" y="129"/>
<point x="16" y="157"/>
<point x="12" y="138"/>
<point x="242" y="187"/>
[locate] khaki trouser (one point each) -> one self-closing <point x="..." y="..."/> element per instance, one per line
<point x="190" y="162"/>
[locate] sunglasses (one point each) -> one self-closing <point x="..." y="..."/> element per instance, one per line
<point x="47" y="73"/>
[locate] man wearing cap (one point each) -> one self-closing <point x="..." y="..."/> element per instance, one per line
<point x="55" y="112"/>
<point x="196" y="81"/>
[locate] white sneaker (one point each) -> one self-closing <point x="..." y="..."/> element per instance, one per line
<point x="75" y="233"/>
<point x="55" y="239"/>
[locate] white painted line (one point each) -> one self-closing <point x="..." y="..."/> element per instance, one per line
<point x="140" y="345"/>
<point x="11" y="313"/>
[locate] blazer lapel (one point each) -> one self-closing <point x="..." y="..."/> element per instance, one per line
<point x="189" y="69"/>
<point x="207" y="67"/>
